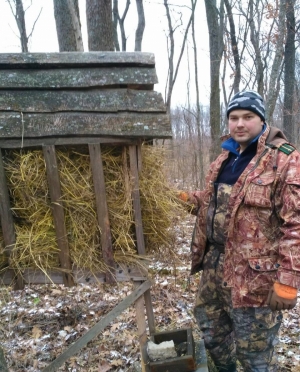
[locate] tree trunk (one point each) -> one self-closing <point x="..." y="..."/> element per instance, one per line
<point x="19" y="15"/>
<point x="74" y="11"/>
<point x="141" y="26"/>
<point x="66" y="33"/>
<point x="274" y="82"/>
<point x="254" y="37"/>
<point x="215" y="22"/>
<point x="3" y="364"/>
<point x="234" y="48"/>
<point x="172" y="76"/>
<point x="289" y="75"/>
<point x="116" y="18"/>
<point x="100" y="25"/>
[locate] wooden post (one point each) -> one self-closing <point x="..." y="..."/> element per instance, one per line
<point x="102" y="210"/>
<point x="58" y="213"/>
<point x="7" y="222"/>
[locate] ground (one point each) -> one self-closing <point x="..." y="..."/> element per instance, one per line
<point x="38" y="323"/>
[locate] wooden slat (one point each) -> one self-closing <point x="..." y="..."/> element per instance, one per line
<point x="142" y="333"/>
<point x="78" y="77"/>
<point x="36" y="276"/>
<point x="13" y="125"/>
<point x="150" y="313"/>
<point x="95" y="100"/>
<point x="102" y="209"/>
<point x="67" y="59"/>
<point x="136" y="200"/>
<point x="98" y="328"/>
<point x="62" y="141"/>
<point x="58" y="213"/>
<point x="7" y="223"/>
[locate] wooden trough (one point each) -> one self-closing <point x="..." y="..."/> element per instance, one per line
<point x="70" y="99"/>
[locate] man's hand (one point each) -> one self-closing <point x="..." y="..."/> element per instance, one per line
<point x="282" y="297"/>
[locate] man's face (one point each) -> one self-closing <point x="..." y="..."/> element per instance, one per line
<point x="244" y="126"/>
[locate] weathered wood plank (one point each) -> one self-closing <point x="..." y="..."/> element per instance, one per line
<point x="36" y="60"/>
<point x="142" y="333"/>
<point x="7" y="223"/>
<point x="77" y="77"/>
<point x="102" y="210"/>
<point x="98" y="327"/>
<point x="58" y="213"/>
<point x="136" y="200"/>
<point x="84" y="124"/>
<point x="109" y="100"/>
<point x="36" y="276"/>
<point x="62" y="141"/>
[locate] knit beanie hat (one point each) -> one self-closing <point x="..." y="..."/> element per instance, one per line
<point x="247" y="100"/>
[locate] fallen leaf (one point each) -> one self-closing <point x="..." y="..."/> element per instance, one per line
<point x="36" y="332"/>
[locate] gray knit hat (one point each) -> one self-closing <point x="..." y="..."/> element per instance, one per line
<point x="247" y="100"/>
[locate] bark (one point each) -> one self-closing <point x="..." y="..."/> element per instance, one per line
<point x="274" y="82"/>
<point x="215" y="22"/>
<point x="289" y="75"/>
<point x="66" y="34"/>
<point x="234" y="48"/>
<point x="141" y="26"/>
<point x="100" y="25"/>
<point x="74" y="11"/>
<point x="115" y="24"/>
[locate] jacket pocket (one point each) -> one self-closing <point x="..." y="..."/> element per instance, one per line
<point x="261" y="274"/>
<point x="259" y="191"/>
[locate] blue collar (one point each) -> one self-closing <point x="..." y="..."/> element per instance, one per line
<point x="232" y="146"/>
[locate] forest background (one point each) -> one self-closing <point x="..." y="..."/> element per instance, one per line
<point x="205" y="52"/>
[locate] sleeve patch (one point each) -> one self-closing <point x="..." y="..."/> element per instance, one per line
<point x="287" y="149"/>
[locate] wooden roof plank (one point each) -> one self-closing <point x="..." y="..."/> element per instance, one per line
<point x="143" y="125"/>
<point x="67" y="59"/>
<point x="77" y="77"/>
<point x="109" y="100"/>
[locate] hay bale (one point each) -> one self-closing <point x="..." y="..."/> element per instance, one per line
<point x="35" y="234"/>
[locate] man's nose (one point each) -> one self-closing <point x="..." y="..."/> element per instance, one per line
<point x="240" y="122"/>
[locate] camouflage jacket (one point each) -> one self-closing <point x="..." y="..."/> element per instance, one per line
<point x="262" y="222"/>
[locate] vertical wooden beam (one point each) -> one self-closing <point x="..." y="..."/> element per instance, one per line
<point x="102" y="209"/>
<point x="58" y="213"/>
<point x="142" y="334"/>
<point x="7" y="223"/>
<point x="136" y="199"/>
<point x="135" y="156"/>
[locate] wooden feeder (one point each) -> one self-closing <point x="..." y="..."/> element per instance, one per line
<point x="182" y="363"/>
<point x="70" y="99"/>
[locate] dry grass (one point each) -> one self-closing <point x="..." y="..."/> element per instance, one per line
<point x="36" y="245"/>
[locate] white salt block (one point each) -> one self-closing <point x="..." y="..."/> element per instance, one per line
<point x="164" y="350"/>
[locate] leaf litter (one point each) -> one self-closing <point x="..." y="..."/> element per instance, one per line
<point x="38" y="323"/>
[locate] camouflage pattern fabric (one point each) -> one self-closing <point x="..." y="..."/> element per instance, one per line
<point x="217" y="212"/>
<point x="262" y="223"/>
<point x="247" y="334"/>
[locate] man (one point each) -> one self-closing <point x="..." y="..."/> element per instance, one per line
<point x="247" y="239"/>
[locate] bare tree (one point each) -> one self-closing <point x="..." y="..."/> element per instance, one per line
<point x="276" y="70"/>
<point x="18" y="11"/>
<point x="67" y="20"/>
<point x="215" y="23"/>
<point x="289" y="72"/>
<point x="173" y="71"/>
<point x="234" y="48"/>
<point x="141" y="25"/>
<point x="117" y="20"/>
<point x="100" y="25"/>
